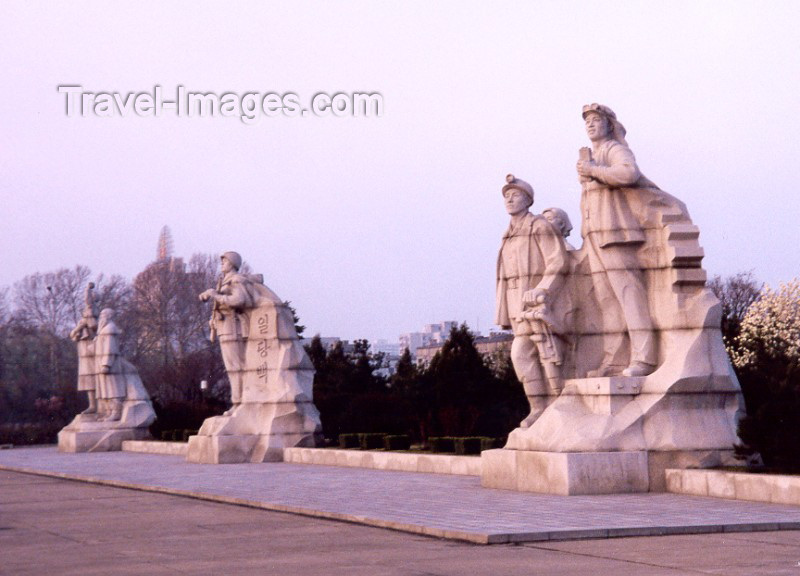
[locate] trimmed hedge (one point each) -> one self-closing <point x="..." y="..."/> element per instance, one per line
<point x="442" y="443"/>
<point x="28" y="433"/>
<point x="177" y="435"/>
<point x="468" y="445"/>
<point x="491" y="443"/>
<point x="349" y="441"/>
<point x="371" y="440"/>
<point x="397" y="442"/>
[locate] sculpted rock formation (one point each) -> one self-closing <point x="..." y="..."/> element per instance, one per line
<point x="119" y="406"/>
<point x="647" y="381"/>
<point x="270" y="374"/>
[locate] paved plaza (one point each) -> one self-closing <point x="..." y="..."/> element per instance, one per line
<point x="51" y="525"/>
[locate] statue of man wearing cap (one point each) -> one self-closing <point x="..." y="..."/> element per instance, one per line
<point x="612" y="236"/>
<point x="531" y="269"/>
<point x="231" y="297"/>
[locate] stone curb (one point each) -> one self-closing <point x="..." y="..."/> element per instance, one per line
<point x="773" y="488"/>
<point x="156" y="447"/>
<point x="400" y="461"/>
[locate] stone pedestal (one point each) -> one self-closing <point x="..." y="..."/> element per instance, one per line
<point x="254" y="433"/>
<point x="575" y="473"/>
<point x="86" y="434"/>
<point x="566" y="473"/>
<point x="617" y="434"/>
<point x="94" y="437"/>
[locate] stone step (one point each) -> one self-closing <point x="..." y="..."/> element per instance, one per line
<point x="156" y="447"/>
<point x="400" y="461"/>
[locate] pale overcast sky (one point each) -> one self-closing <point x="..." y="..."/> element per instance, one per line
<point x="375" y="226"/>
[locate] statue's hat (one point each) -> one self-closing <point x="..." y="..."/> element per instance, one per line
<point x="521" y="185"/>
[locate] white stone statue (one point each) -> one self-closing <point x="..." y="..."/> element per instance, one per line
<point x="647" y="381"/>
<point x="612" y="236"/>
<point x="270" y="374"/>
<point x="560" y="220"/>
<point x="119" y="405"/>
<point x="83" y="335"/>
<point x="530" y="276"/>
<point x="234" y="295"/>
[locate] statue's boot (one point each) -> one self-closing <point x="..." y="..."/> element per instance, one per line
<point x="607" y="367"/>
<point x="236" y="392"/>
<point x="643" y="354"/>
<point x="637" y="369"/>
<point x="102" y="409"/>
<point x="538" y="405"/>
<point x="92" y="409"/>
<point x="116" y="411"/>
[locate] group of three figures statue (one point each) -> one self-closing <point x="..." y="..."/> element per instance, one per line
<point x="554" y="297"/>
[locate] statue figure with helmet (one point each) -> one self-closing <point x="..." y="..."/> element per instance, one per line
<point x="232" y="296"/>
<point x="270" y="374"/>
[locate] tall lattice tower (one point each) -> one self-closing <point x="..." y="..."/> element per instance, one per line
<point x="164" y="244"/>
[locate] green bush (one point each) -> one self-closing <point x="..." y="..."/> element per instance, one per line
<point x="371" y="440"/>
<point x="176" y="435"/>
<point x="442" y="444"/>
<point x="349" y="441"/>
<point x="491" y="443"/>
<point x="28" y="433"/>
<point x="397" y="442"/>
<point x="468" y="445"/>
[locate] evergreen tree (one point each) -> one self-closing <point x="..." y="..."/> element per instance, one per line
<point x="461" y="384"/>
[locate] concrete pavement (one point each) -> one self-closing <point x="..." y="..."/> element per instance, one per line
<point x="64" y="528"/>
<point x="446" y="506"/>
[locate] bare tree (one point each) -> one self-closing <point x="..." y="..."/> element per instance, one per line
<point x="169" y="319"/>
<point x="4" y="307"/>
<point x="736" y="293"/>
<point x="52" y="301"/>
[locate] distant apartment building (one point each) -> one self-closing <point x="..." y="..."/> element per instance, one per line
<point x="432" y="334"/>
<point x="496" y="342"/>
<point x="390" y="349"/>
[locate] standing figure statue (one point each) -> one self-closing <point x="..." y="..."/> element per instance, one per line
<point x="111" y="379"/>
<point x="83" y="335"/>
<point x="232" y="296"/>
<point x="531" y="269"/>
<point x="612" y="236"/>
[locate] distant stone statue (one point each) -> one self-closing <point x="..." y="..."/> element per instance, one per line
<point x="119" y="405"/>
<point x="612" y="235"/>
<point x="271" y="376"/>
<point x="83" y="335"/>
<point x="112" y="375"/>
<point x="531" y="268"/>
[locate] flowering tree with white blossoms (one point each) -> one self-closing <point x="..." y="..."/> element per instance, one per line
<point x="766" y="355"/>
